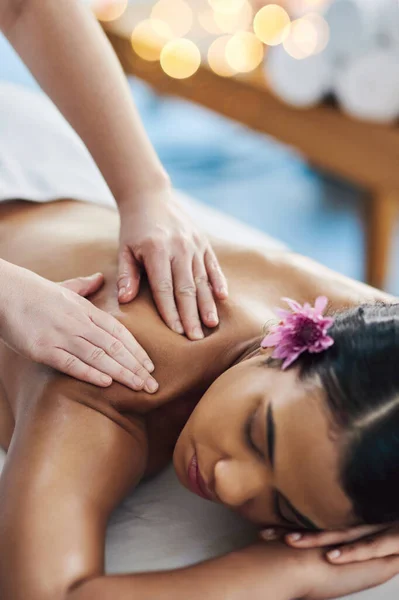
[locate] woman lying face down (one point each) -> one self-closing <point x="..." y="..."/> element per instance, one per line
<point x="304" y="447"/>
<point x="315" y="446"/>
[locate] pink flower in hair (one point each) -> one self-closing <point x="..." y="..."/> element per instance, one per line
<point x="302" y="330"/>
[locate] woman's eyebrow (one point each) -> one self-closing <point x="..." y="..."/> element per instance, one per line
<point x="270" y="434"/>
<point x="271" y="442"/>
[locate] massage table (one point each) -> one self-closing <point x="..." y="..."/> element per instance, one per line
<point x="161" y="525"/>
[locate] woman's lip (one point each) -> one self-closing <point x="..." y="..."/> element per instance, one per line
<point x="197" y="484"/>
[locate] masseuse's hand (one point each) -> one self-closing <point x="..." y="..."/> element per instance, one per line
<point x="54" y="325"/>
<point x="182" y="269"/>
<point x="357" y="544"/>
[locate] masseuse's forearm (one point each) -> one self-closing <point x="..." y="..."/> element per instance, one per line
<point x="6" y="270"/>
<point x="72" y="60"/>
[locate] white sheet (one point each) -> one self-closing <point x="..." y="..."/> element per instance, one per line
<point x="161" y="525"/>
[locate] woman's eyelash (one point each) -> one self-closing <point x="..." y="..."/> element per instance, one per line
<point x="279" y="514"/>
<point x="248" y="437"/>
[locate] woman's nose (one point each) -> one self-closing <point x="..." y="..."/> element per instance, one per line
<point x="238" y="482"/>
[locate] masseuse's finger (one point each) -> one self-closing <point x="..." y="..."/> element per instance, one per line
<point x="206" y="303"/>
<point x="215" y="274"/>
<point x="84" y="286"/>
<point x="186" y="295"/>
<point x="129" y="274"/>
<point x="109" y="355"/>
<point x="71" y="365"/>
<point x="329" y="538"/>
<point x="374" y="546"/>
<point x="159" y="273"/>
<point x="130" y="345"/>
<point x="135" y="377"/>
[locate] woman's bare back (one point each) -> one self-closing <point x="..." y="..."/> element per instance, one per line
<point x="65" y="239"/>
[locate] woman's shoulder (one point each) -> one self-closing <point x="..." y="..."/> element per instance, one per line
<point x="155" y="428"/>
<point x="308" y="279"/>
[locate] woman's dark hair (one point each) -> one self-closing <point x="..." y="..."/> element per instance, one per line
<point x="360" y="374"/>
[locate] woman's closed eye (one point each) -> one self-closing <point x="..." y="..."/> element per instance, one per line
<point x="281" y="511"/>
<point x="249" y="437"/>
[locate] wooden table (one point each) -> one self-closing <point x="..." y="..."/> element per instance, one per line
<point x="365" y="154"/>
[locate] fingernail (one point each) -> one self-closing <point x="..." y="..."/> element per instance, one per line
<point x="268" y="534"/>
<point x="198" y="334"/>
<point x="151" y="385"/>
<point x="294" y="537"/>
<point x="178" y="327"/>
<point x="138" y="381"/>
<point x="149" y="366"/>
<point x="122" y="292"/>
<point x="223" y="290"/>
<point x="106" y="379"/>
<point x="334" y="554"/>
<point x="212" y="318"/>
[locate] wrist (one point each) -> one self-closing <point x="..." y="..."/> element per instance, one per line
<point x="309" y="564"/>
<point x="136" y="197"/>
<point x="283" y="572"/>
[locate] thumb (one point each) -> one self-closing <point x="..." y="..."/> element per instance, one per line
<point x="84" y="286"/>
<point x="129" y="276"/>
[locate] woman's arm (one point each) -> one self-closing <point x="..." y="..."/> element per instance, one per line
<point x="68" y="466"/>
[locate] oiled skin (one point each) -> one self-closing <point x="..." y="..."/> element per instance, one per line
<point x="76" y="449"/>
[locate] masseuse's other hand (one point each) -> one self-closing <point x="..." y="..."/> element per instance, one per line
<point x="54" y="325"/>
<point x="182" y="269"/>
<point x="357" y="544"/>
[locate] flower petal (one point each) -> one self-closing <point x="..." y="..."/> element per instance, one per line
<point x="307" y="310"/>
<point x="320" y="305"/>
<point x="293" y="304"/>
<point x="327" y="322"/>
<point x="327" y="342"/>
<point x="291" y="358"/>
<point x="271" y="340"/>
<point x="282" y="313"/>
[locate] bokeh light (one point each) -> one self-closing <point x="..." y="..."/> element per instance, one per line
<point x="312" y="4"/>
<point x="227" y="7"/>
<point x="206" y="18"/>
<point x="108" y="10"/>
<point x="180" y="58"/>
<point x="177" y="14"/>
<point x="244" y="52"/>
<point x="240" y="20"/>
<point x="271" y="24"/>
<point x="301" y="41"/>
<point x="322" y="29"/>
<point x="217" y="57"/>
<point x="149" y="37"/>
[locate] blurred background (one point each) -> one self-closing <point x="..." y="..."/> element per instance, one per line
<point x="326" y="70"/>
